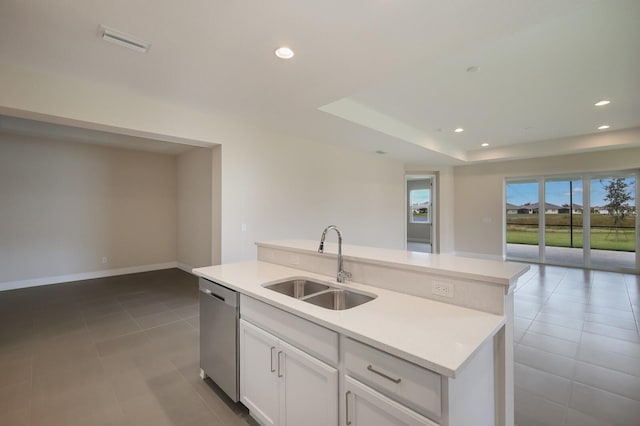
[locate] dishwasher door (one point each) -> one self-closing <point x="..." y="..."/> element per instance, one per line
<point x="219" y="314"/>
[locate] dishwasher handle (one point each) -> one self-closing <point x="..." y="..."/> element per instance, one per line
<point x="210" y="293"/>
<point x="221" y="293"/>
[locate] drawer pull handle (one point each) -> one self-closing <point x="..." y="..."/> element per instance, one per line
<point x="279" y="368"/>
<point x="346" y="403"/>
<point x="379" y="373"/>
<point x="273" y="369"/>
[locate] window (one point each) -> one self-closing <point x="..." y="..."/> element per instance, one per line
<point x="586" y="220"/>
<point x="420" y="203"/>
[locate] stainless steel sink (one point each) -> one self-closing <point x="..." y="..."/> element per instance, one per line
<point x="320" y="294"/>
<point x="298" y="288"/>
<point x="338" y="299"/>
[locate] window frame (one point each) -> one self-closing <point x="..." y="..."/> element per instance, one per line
<point x="428" y="203"/>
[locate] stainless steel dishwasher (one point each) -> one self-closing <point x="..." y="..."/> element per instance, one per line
<point x="219" y="315"/>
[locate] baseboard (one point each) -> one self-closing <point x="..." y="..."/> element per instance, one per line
<point x="185" y="267"/>
<point x="34" y="282"/>
<point x="478" y="255"/>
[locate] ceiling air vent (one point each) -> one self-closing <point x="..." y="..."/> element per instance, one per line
<point x="122" y="39"/>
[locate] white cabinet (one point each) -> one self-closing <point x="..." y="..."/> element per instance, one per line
<point x="411" y="385"/>
<point x="282" y="385"/>
<point x="310" y="389"/>
<point x="289" y="376"/>
<point x="365" y="406"/>
<point x="258" y="373"/>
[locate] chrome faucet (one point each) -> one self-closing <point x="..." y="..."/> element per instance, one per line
<point x="342" y="274"/>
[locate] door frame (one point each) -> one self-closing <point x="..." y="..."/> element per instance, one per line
<point x="435" y="246"/>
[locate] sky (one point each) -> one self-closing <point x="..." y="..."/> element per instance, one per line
<point x="419" y="196"/>
<point x="558" y="192"/>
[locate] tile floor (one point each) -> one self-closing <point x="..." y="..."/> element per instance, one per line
<point x="577" y="348"/>
<point x="115" y="351"/>
<point x="124" y="351"/>
<point x="422" y="247"/>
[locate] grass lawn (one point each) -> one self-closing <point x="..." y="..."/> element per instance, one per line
<point x="525" y="231"/>
<point x="602" y="239"/>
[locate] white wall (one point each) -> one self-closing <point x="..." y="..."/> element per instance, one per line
<point x="287" y="189"/>
<point x="194" y="182"/>
<point x="479" y="192"/>
<point x="278" y="187"/>
<point x="64" y="206"/>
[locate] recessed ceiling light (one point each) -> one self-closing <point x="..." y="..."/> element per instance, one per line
<point x="459" y="130"/>
<point x="602" y="103"/>
<point x="604" y="127"/>
<point x="484" y="144"/>
<point x="122" y="39"/>
<point x="284" y="53"/>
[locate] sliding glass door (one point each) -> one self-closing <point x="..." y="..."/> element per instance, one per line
<point x="563" y="236"/>
<point x="522" y="221"/>
<point x="582" y="220"/>
<point x="613" y="221"/>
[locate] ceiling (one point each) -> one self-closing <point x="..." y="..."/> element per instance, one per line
<point x="372" y="75"/>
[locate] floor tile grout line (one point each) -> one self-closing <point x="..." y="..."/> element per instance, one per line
<point x="549" y="335"/>
<point x="633" y="311"/>
<point x="606" y="390"/>
<point x="547" y="351"/>
<point x="201" y="398"/>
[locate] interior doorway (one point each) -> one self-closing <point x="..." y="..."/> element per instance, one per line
<point x="420" y="217"/>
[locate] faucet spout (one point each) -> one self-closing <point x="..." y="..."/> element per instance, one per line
<point x="342" y="275"/>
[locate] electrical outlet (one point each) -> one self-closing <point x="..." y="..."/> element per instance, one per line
<point x="105" y="260"/>
<point x="441" y="288"/>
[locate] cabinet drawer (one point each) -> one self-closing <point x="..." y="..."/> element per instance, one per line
<point x="311" y="338"/>
<point x="403" y="381"/>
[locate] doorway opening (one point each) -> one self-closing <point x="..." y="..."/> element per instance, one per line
<point x="420" y="217"/>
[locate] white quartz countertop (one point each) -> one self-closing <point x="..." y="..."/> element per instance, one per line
<point x="492" y="271"/>
<point x="438" y="336"/>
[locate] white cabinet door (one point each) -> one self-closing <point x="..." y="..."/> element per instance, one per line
<point x="258" y="373"/>
<point x="365" y="407"/>
<point x="310" y="391"/>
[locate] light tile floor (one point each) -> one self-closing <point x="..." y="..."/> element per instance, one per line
<point x="124" y="351"/>
<point x="115" y="351"/>
<point x="601" y="259"/>
<point x="422" y="247"/>
<point x="577" y="348"/>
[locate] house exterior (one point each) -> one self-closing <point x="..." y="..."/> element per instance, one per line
<point x="534" y="208"/>
<point x="575" y="209"/>
<point x="512" y="208"/>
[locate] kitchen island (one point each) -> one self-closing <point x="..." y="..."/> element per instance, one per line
<point x="430" y="348"/>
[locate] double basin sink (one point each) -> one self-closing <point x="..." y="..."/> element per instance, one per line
<point x="320" y="294"/>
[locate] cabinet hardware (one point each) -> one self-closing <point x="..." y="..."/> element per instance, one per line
<point x="279" y="370"/>
<point x="273" y="348"/>
<point x="210" y="293"/>
<point x="346" y="407"/>
<point x="379" y="373"/>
